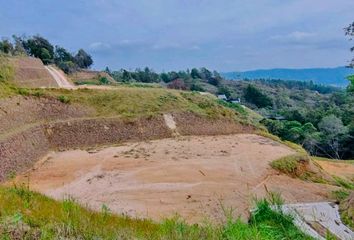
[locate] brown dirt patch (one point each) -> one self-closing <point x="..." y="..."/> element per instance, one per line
<point x="30" y="72"/>
<point x="191" y="176"/>
<point x="341" y="169"/>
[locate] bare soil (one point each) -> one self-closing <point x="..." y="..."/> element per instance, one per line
<point x="339" y="168"/>
<point x="196" y="177"/>
<point x="30" y="72"/>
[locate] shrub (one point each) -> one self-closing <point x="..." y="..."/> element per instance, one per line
<point x="23" y="91"/>
<point x="38" y="93"/>
<point x="64" y="99"/>
<point x="103" y="81"/>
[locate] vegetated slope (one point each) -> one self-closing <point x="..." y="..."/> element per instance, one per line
<point x="28" y="215"/>
<point x="330" y="76"/>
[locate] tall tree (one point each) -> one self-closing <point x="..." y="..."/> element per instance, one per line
<point x="39" y="47"/>
<point x="83" y="59"/>
<point x="349" y="31"/>
<point x="6" y="46"/>
<point x="62" y="55"/>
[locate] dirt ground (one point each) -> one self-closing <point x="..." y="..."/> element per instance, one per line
<point x="196" y="177"/>
<point x="338" y="168"/>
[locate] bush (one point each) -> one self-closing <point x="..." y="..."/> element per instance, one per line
<point x="64" y="99"/>
<point x="23" y="91"/>
<point x="67" y="67"/>
<point x="103" y="81"/>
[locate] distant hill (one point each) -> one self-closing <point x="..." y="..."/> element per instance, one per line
<point x="329" y="76"/>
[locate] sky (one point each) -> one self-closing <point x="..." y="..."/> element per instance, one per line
<point x="223" y="35"/>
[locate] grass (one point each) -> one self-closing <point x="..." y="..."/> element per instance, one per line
<point x="290" y="165"/>
<point x="6" y="74"/>
<point x="134" y="102"/>
<point x="341" y="182"/>
<point x="340" y="194"/>
<point x="332" y="160"/>
<point x="29" y="215"/>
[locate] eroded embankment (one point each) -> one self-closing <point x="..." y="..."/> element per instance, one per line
<point x="30" y="127"/>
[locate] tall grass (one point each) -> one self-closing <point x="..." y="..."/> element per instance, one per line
<point x="33" y="216"/>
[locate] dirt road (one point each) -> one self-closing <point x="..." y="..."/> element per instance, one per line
<point x="59" y="78"/>
<point x="192" y="176"/>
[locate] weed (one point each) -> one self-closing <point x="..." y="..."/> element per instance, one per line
<point x="38" y="93"/>
<point x="343" y="183"/>
<point x="340" y="195"/>
<point x="64" y="99"/>
<point x="23" y="91"/>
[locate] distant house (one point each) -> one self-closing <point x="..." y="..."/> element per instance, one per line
<point x="234" y="100"/>
<point x="280" y="118"/>
<point x="222" y="97"/>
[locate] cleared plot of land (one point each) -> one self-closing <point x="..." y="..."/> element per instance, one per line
<point x="338" y="168"/>
<point x="193" y="176"/>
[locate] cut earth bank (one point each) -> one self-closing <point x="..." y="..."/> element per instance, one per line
<point x="198" y="177"/>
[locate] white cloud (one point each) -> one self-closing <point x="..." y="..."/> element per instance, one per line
<point x="99" y="46"/>
<point x="297" y="36"/>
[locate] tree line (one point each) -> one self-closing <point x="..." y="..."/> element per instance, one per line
<point x="39" y="47"/>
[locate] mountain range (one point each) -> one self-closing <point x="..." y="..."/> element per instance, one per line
<point x="327" y="76"/>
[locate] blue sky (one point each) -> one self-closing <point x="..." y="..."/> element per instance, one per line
<point x="224" y="35"/>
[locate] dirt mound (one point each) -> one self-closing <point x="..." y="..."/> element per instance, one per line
<point x="195" y="177"/>
<point x="30" y="72"/>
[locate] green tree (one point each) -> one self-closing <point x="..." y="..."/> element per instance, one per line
<point x="349" y="31"/>
<point x="225" y="90"/>
<point x="351" y="85"/>
<point x="62" y="55"/>
<point x="255" y="96"/>
<point x="18" y="46"/>
<point x="332" y="131"/>
<point x="195" y="73"/>
<point x="39" y="47"/>
<point x="6" y="46"/>
<point x="83" y="59"/>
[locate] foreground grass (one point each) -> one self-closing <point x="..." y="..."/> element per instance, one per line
<point x="28" y="215"/>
